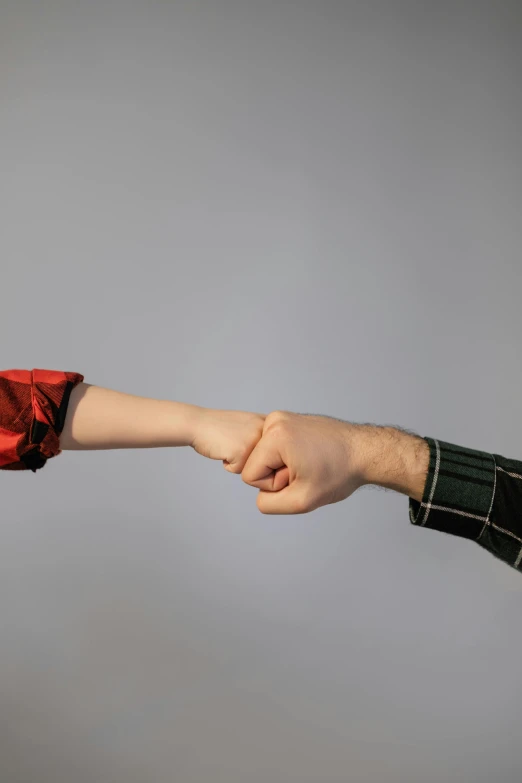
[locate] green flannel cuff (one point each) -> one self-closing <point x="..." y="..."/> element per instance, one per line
<point x="459" y="492"/>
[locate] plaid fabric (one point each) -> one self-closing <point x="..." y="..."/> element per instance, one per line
<point x="33" y="405"/>
<point x="474" y="495"/>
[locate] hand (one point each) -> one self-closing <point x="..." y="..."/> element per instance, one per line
<point x="303" y="462"/>
<point x="227" y="435"/>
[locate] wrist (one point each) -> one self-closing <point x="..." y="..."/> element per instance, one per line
<point x="184" y="423"/>
<point x="197" y="418"/>
<point x="393" y="459"/>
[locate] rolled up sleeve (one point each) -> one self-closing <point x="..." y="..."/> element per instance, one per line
<point x="33" y="407"/>
<point x="475" y="495"/>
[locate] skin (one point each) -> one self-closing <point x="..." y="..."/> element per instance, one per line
<point x="100" y="418"/>
<point x="304" y="462"/>
<point x="297" y="462"/>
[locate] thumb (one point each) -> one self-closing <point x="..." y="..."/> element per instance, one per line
<point x="293" y="499"/>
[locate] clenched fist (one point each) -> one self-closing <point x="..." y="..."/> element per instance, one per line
<point x="225" y="435"/>
<point x="303" y="462"/>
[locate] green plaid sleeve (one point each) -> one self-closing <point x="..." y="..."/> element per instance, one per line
<point x="475" y="495"/>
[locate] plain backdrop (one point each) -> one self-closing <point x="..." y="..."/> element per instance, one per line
<point x="304" y="205"/>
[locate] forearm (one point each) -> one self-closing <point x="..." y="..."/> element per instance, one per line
<point x="393" y="459"/>
<point x="453" y="489"/>
<point x="100" y="418"/>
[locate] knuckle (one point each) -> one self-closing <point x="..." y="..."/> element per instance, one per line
<point x="249" y="475"/>
<point x="277" y="416"/>
<point x="260" y="503"/>
<point x="300" y="506"/>
<point x="280" y="427"/>
<point x="303" y="503"/>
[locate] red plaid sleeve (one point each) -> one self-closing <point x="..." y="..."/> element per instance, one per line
<point x="33" y="406"/>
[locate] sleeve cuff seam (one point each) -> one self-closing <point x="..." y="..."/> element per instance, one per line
<point x="431" y="485"/>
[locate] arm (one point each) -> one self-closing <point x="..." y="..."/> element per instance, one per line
<point x="391" y="458"/>
<point x="467" y="493"/>
<point x="303" y="462"/>
<point x="105" y="419"/>
<point x="44" y="412"/>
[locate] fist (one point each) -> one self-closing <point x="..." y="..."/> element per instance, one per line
<point x="229" y="436"/>
<point x="303" y="462"/>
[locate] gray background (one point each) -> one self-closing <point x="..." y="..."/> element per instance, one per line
<point x="313" y="206"/>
